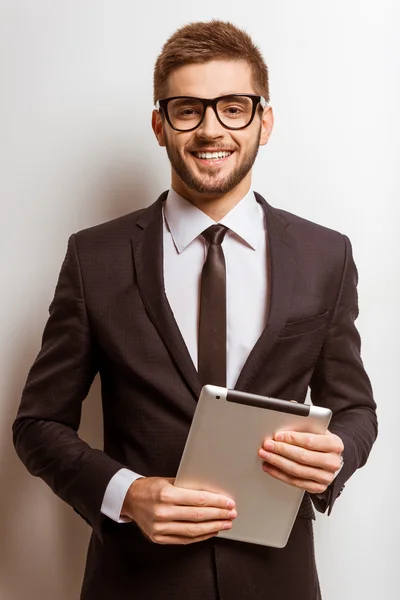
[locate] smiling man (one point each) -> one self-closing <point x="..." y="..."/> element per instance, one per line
<point x="210" y="284"/>
<point x="212" y="143"/>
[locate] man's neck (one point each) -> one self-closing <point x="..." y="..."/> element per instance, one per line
<point x="215" y="206"/>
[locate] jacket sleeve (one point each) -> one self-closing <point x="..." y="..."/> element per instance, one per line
<point x="45" y="430"/>
<point x="340" y="383"/>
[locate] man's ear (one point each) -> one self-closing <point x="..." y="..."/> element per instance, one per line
<point x="158" y="127"/>
<point x="267" y="124"/>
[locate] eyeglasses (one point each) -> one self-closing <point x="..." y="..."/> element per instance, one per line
<point x="235" y="111"/>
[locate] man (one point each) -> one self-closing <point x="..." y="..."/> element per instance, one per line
<point x="132" y="304"/>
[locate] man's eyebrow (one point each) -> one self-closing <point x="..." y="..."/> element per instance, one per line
<point x="218" y="96"/>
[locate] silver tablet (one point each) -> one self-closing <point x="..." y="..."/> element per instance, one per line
<point x="221" y="455"/>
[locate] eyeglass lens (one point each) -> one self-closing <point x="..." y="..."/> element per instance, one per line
<point x="234" y="111"/>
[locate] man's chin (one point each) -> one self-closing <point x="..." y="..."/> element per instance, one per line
<point x="210" y="188"/>
<point x="211" y="182"/>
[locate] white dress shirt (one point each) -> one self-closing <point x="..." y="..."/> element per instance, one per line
<point x="185" y="250"/>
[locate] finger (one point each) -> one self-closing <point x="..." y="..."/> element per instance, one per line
<point x="167" y="512"/>
<point x="186" y="497"/>
<point x="328" y="442"/>
<point x="308" y="485"/>
<point x="299" y="471"/>
<point x="188" y="530"/>
<point x="323" y="460"/>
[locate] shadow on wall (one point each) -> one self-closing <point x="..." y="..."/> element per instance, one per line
<point x="43" y="542"/>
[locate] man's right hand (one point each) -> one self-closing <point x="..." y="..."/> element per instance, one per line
<point x="171" y="515"/>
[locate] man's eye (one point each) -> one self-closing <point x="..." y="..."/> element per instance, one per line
<point x="187" y="112"/>
<point x="232" y="111"/>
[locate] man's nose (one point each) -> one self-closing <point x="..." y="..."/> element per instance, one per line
<point x="210" y="127"/>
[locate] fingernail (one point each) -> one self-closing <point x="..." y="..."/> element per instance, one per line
<point x="264" y="455"/>
<point x="269" y="445"/>
<point x="230" y="504"/>
<point x="232" y="514"/>
<point x="279" y="437"/>
<point x="227" y="525"/>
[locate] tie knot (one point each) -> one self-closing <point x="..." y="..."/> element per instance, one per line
<point x="215" y="234"/>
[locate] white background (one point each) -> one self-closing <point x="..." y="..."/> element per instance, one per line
<point x="77" y="149"/>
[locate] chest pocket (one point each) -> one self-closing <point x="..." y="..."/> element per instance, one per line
<point x="294" y="328"/>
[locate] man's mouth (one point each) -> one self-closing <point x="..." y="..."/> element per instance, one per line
<point x="218" y="155"/>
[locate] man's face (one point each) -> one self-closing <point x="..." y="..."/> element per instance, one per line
<point x="212" y="177"/>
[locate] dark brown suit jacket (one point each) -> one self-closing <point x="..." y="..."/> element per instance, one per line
<point x="110" y="315"/>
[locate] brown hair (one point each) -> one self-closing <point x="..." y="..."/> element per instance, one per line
<point x="202" y="42"/>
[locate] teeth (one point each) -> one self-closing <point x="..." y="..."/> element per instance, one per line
<point x="212" y="155"/>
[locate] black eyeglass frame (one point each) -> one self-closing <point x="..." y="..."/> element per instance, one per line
<point x="206" y="102"/>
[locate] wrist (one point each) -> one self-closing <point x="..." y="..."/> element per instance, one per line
<point x="130" y="499"/>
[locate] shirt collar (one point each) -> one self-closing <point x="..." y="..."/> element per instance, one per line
<point x="186" y="222"/>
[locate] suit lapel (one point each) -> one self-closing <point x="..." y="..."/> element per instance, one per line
<point x="147" y="245"/>
<point x="281" y="267"/>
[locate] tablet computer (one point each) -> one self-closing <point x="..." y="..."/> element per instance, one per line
<point x="221" y="455"/>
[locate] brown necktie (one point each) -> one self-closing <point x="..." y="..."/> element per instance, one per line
<point x="212" y="319"/>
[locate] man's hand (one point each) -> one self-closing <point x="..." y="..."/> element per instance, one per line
<point x="171" y="515"/>
<point x="305" y="460"/>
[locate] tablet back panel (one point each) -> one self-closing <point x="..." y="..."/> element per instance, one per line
<point x="221" y="455"/>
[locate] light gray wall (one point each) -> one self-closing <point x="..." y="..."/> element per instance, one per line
<point x="77" y="149"/>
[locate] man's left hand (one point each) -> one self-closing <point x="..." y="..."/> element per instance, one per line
<point x="305" y="460"/>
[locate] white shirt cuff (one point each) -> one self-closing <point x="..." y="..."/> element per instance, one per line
<point x="115" y="494"/>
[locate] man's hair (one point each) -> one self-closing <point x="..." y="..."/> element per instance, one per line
<point x="202" y="42"/>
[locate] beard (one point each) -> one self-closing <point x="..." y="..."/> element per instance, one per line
<point x="209" y="183"/>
